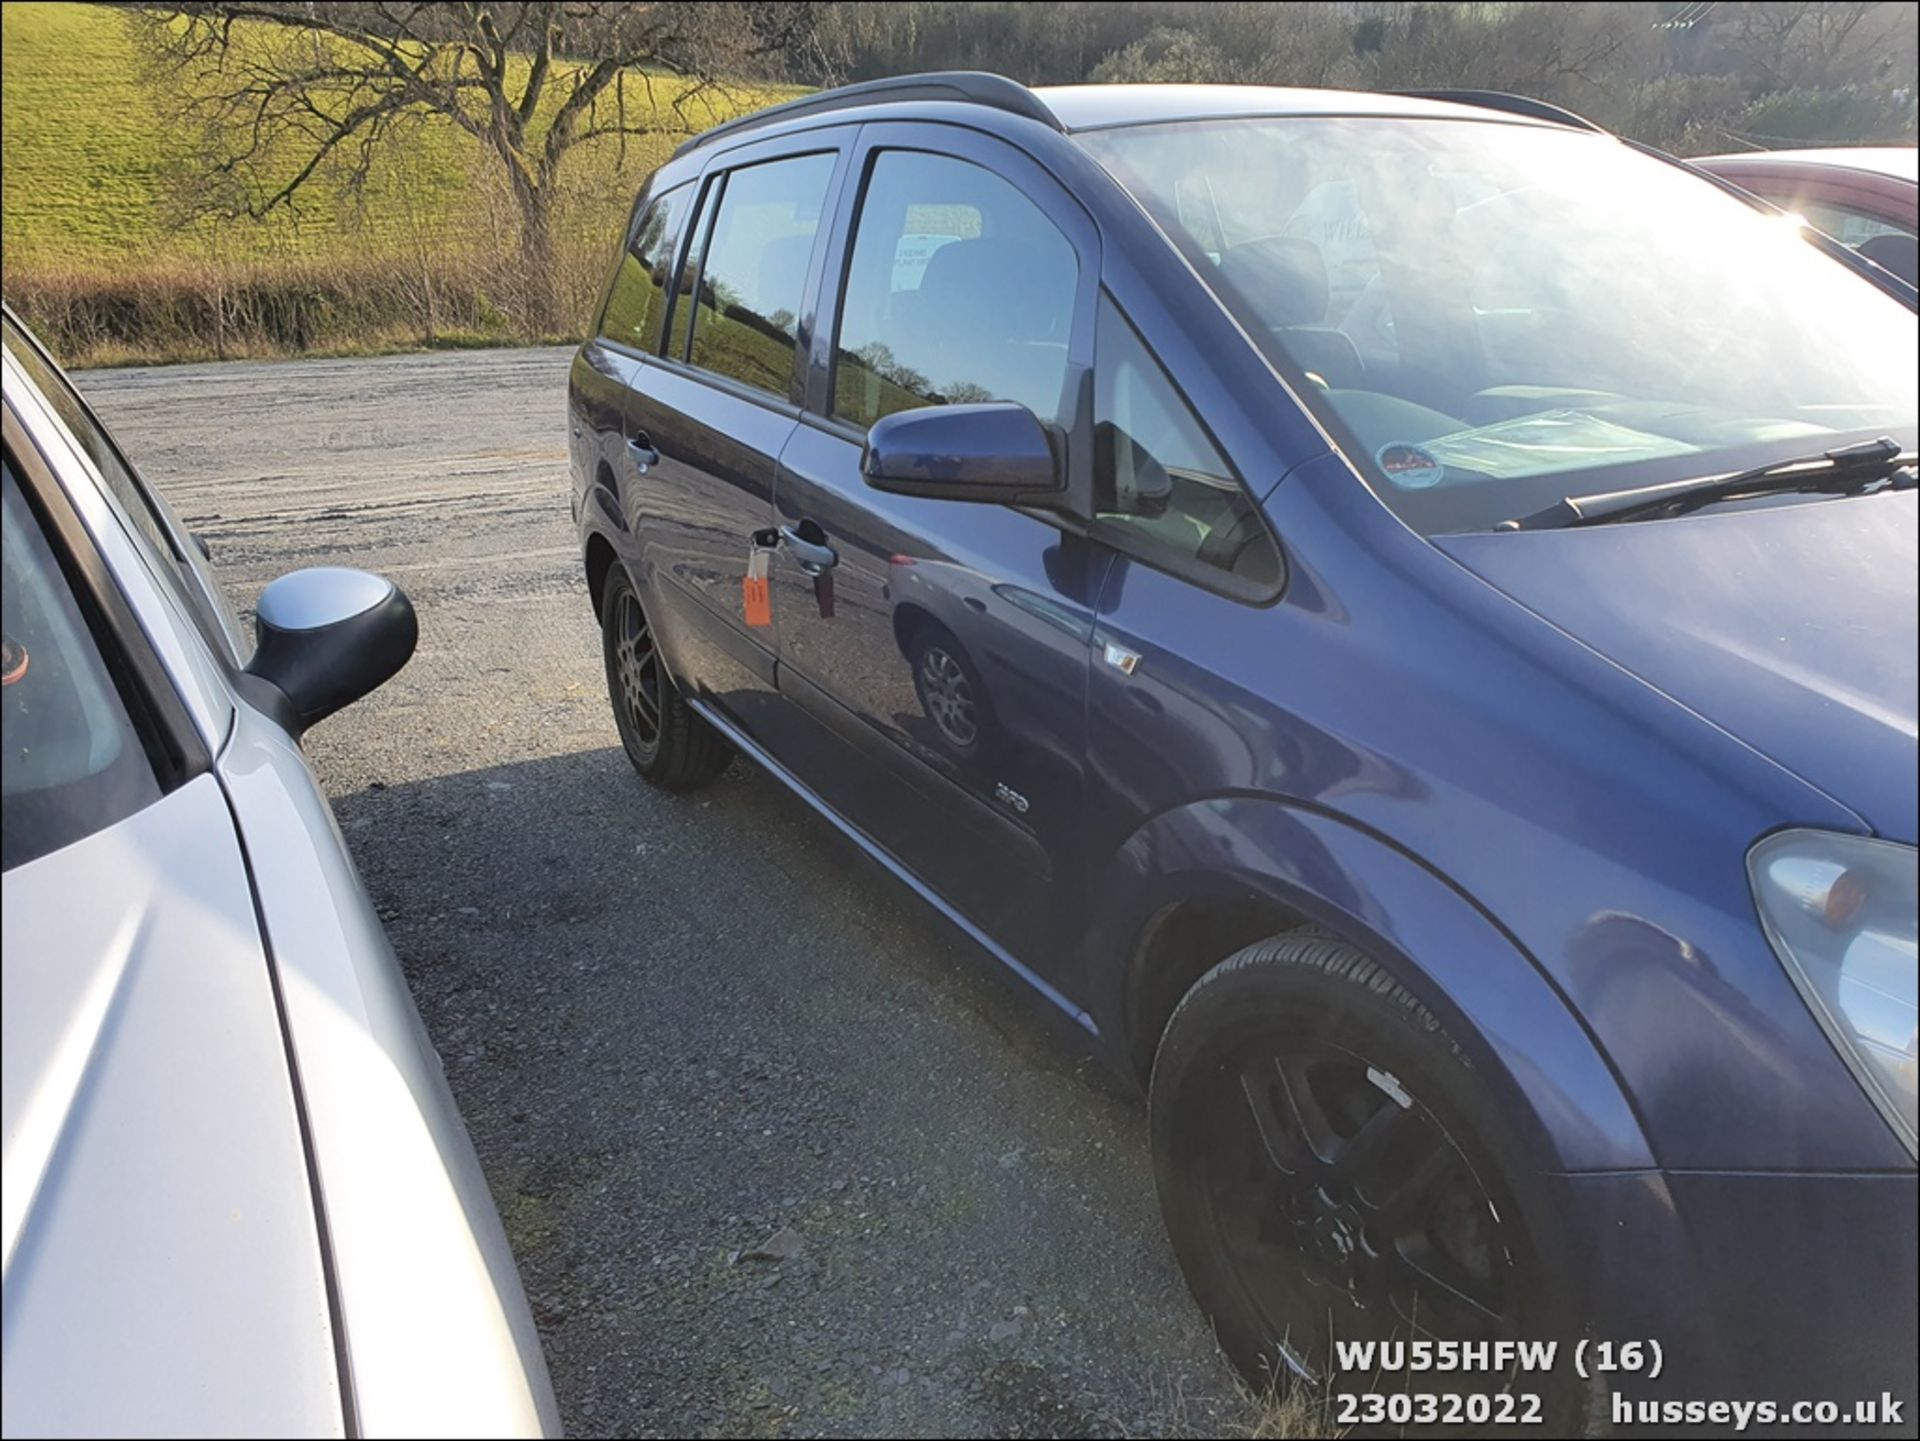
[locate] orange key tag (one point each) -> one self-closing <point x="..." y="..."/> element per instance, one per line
<point x="754" y="592"/>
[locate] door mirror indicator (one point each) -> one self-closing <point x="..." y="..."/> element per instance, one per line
<point x="998" y="452"/>
<point x="327" y="636"/>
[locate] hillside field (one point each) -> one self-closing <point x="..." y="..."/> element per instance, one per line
<point x="102" y="247"/>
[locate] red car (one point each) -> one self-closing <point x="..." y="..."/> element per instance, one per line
<point x="1866" y="197"/>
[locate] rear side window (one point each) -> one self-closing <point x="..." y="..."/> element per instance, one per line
<point x="637" y="303"/>
<point x="71" y="761"/>
<point x="1161" y="486"/>
<point x="755" y="272"/>
<point x="960" y="289"/>
<point x="680" y="309"/>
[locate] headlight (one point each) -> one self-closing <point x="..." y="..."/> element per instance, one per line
<point x="1840" y="911"/>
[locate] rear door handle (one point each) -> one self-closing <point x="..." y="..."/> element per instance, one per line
<point x="645" y="457"/>
<point x="813" y="559"/>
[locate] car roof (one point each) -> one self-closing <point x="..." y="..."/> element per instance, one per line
<point x="1902" y="162"/>
<point x="1069" y="108"/>
<point x="1098" y="107"/>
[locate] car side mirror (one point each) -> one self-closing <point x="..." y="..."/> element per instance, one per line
<point x="328" y="636"/>
<point x="999" y="453"/>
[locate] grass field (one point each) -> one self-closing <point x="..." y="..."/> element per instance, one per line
<point x="100" y="248"/>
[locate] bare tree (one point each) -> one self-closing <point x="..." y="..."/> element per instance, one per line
<point x="1562" y="50"/>
<point x="1797" y="42"/>
<point x="288" y="93"/>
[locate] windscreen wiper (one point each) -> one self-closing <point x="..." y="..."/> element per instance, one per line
<point x="1849" y="470"/>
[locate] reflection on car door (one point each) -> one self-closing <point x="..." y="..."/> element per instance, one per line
<point x="945" y="643"/>
<point x="708" y="416"/>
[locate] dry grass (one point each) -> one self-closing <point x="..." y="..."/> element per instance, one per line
<point x="253" y="309"/>
<point x="1295" y="1416"/>
<point x="1266" y="1415"/>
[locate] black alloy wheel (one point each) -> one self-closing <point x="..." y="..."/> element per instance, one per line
<point x="668" y="743"/>
<point x="1329" y="1169"/>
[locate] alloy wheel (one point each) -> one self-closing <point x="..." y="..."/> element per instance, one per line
<point x="637" y="669"/>
<point x="948" y="696"/>
<point x="1346" y="1209"/>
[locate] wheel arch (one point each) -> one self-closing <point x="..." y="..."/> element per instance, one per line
<point x="910" y="620"/>
<point x="1195" y="884"/>
<point x="600" y="560"/>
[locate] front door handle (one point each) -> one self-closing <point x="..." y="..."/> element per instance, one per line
<point x="812" y="558"/>
<point x="645" y="457"/>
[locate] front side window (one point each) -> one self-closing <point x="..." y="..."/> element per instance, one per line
<point x="754" y="276"/>
<point x="637" y="302"/>
<point x="1491" y="316"/>
<point x="1160" y="483"/>
<point x="71" y="762"/>
<point x="959" y="289"/>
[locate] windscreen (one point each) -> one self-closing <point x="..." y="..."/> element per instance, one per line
<point x="1490" y="316"/>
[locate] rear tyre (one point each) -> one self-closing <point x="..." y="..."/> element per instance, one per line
<point x="668" y="744"/>
<point x="1326" y="1163"/>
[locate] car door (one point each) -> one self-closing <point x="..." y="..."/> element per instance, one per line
<point x="945" y="643"/>
<point x="708" y="415"/>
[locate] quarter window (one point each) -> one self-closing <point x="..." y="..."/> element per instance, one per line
<point x="960" y="289"/>
<point x="1161" y="486"/>
<point x="638" y="300"/>
<point x="680" y="321"/>
<point x="755" y="274"/>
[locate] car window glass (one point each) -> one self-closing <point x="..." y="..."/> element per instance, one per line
<point x="172" y="550"/>
<point x="1892" y="247"/>
<point x="755" y="273"/>
<point x="1488" y="317"/>
<point x="1851" y="227"/>
<point x="680" y="321"/>
<point x="638" y="299"/>
<point x="960" y="289"/>
<point x="1157" y="476"/>
<point x="71" y="761"/>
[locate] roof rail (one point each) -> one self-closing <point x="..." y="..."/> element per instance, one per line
<point x="974" y="87"/>
<point x="1512" y="104"/>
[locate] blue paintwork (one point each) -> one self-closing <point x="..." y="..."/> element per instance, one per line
<point x="994" y="452"/>
<point x="1792" y="626"/>
<point x="1521" y="770"/>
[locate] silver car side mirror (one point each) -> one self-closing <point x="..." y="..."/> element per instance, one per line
<point x="328" y="636"/>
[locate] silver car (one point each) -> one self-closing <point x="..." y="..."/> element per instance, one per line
<point x="238" y="1197"/>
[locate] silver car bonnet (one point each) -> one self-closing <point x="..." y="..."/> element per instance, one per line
<point x="163" y="1271"/>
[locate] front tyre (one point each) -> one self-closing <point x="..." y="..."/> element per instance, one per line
<point x="1326" y="1163"/>
<point x="669" y="745"/>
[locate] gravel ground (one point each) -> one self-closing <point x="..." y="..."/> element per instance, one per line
<point x="681" y="1028"/>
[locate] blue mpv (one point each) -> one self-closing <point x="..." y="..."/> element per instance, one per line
<point x="1395" y="615"/>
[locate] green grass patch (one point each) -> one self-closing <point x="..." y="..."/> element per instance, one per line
<point x="105" y="253"/>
